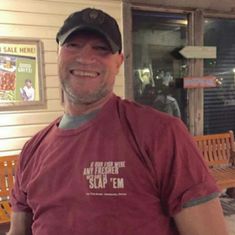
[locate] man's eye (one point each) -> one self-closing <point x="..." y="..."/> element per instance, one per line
<point x="71" y="45"/>
<point x="102" y="48"/>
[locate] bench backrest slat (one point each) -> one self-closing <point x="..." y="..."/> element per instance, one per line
<point x="216" y="148"/>
<point x="7" y="175"/>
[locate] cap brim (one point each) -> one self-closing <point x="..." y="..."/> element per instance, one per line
<point x="61" y="39"/>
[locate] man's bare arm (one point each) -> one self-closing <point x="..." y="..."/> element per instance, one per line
<point x="21" y="223"/>
<point x="206" y="218"/>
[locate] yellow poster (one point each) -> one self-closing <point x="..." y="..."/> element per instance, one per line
<point x="19" y="72"/>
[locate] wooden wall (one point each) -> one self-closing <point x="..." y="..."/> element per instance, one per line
<point x="40" y="19"/>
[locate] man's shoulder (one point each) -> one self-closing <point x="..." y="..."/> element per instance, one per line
<point x="170" y="98"/>
<point x="32" y="144"/>
<point x="146" y="118"/>
<point x="128" y="104"/>
<point x="151" y="126"/>
<point x="45" y="130"/>
<point x="140" y="111"/>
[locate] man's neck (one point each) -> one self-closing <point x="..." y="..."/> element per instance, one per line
<point x="81" y="109"/>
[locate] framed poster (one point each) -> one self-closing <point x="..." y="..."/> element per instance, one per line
<point x="21" y="74"/>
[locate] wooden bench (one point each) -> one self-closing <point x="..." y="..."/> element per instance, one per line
<point x="218" y="151"/>
<point x="7" y="175"/>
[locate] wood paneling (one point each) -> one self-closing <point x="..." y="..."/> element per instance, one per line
<point x="22" y="131"/>
<point x="53" y="94"/>
<point x="51" y="69"/>
<point x="119" y="90"/>
<point x="12" y="144"/>
<point x="27" y="31"/>
<point x="50" y="57"/>
<point x="59" y="8"/>
<point x="49" y="45"/>
<point x="35" y="19"/>
<point x="52" y="81"/>
<point x="30" y="118"/>
<point x="54" y="105"/>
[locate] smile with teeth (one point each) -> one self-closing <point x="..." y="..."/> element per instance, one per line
<point x="81" y="73"/>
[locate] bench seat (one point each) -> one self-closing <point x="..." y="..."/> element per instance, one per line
<point x="224" y="176"/>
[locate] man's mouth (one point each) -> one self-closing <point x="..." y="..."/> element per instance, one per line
<point x="80" y="73"/>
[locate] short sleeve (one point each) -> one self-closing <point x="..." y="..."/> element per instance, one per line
<point x="181" y="173"/>
<point x="18" y="197"/>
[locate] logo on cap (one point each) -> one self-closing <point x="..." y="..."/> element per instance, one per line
<point x="93" y="17"/>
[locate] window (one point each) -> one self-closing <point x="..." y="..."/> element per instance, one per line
<point x="154" y="68"/>
<point x="219" y="103"/>
<point x="157" y="67"/>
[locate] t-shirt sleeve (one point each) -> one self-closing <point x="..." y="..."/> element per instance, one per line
<point x="18" y="197"/>
<point x="181" y="173"/>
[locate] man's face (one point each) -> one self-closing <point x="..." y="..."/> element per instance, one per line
<point x="28" y="84"/>
<point x="87" y="68"/>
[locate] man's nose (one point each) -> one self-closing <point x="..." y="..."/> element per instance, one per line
<point x="85" y="55"/>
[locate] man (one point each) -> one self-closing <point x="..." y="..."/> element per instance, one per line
<point x="109" y="166"/>
<point x="165" y="102"/>
<point x="27" y="92"/>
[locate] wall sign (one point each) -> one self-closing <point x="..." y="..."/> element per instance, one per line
<point x="198" y="52"/>
<point x="21" y="76"/>
<point x="200" y="82"/>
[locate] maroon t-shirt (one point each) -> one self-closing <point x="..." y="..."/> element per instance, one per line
<point x="126" y="172"/>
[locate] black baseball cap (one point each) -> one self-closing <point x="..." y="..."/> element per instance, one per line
<point x="91" y="19"/>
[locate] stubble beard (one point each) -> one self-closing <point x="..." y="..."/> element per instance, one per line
<point x="84" y="98"/>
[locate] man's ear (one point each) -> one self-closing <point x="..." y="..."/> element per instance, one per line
<point x="58" y="48"/>
<point x="120" y="58"/>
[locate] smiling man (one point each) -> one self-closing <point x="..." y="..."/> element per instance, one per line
<point x="87" y="70"/>
<point x="109" y="166"/>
